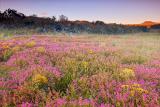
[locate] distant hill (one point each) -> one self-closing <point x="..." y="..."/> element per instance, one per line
<point x="147" y="24"/>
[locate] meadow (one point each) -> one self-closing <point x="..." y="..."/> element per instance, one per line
<point x="80" y="71"/>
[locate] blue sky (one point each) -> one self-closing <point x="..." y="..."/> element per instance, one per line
<point x="109" y="11"/>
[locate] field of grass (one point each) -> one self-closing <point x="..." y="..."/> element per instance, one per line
<point x="80" y="71"/>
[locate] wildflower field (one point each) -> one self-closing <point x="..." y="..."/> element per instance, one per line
<point x="80" y="71"/>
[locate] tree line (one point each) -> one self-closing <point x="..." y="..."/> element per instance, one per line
<point x="11" y="19"/>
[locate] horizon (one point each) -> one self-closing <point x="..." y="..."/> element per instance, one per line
<point x="107" y="11"/>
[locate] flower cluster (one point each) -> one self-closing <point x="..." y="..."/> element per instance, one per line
<point x="39" y="79"/>
<point x="30" y="44"/>
<point x="134" y="88"/>
<point x="127" y="73"/>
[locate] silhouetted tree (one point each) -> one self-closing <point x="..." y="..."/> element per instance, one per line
<point x="33" y="15"/>
<point x="53" y="18"/>
<point x="11" y="13"/>
<point x="99" y="22"/>
<point x="63" y="18"/>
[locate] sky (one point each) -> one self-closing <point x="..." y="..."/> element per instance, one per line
<point x="109" y="11"/>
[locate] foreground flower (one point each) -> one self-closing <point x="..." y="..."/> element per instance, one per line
<point x="85" y="64"/>
<point x="39" y="79"/>
<point x="40" y="49"/>
<point x="135" y="89"/>
<point x="127" y="74"/>
<point x="31" y="44"/>
<point x="16" y="48"/>
<point x="90" y="51"/>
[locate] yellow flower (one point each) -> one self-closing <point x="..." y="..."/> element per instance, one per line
<point x="128" y="71"/>
<point x="135" y="88"/>
<point x="132" y="92"/>
<point x="85" y="64"/>
<point x="127" y="74"/>
<point x="16" y="48"/>
<point x="31" y="44"/>
<point x="40" y="49"/>
<point x="5" y="47"/>
<point x="145" y="91"/>
<point x="39" y="79"/>
<point x="125" y="86"/>
<point x="90" y="51"/>
<point x="141" y="90"/>
<point x="136" y="85"/>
